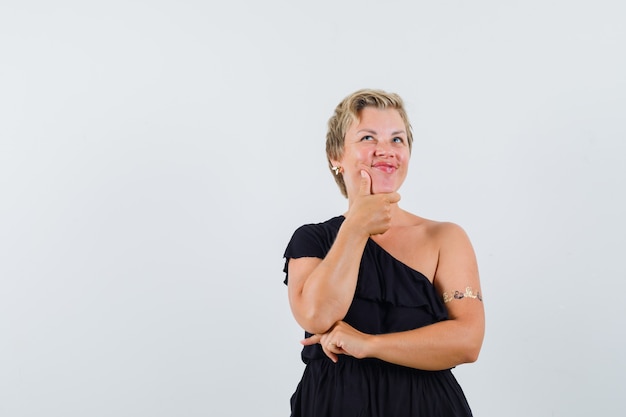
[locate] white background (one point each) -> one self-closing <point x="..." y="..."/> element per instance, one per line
<point x="155" y="157"/>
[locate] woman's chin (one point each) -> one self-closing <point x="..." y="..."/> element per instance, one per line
<point x="385" y="184"/>
<point x="383" y="189"/>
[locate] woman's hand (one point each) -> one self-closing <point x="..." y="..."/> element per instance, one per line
<point x="371" y="212"/>
<point x="341" y="339"/>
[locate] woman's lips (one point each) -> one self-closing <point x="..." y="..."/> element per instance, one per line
<point x="388" y="168"/>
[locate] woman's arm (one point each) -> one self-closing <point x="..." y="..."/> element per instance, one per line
<point x="321" y="290"/>
<point x="438" y="346"/>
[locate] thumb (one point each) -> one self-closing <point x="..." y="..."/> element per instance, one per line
<point x="366" y="183"/>
<point x="393" y="197"/>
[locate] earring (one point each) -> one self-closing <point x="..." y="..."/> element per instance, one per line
<point x="337" y="170"/>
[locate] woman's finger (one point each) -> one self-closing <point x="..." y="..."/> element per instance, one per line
<point x="327" y="350"/>
<point x="311" y="340"/>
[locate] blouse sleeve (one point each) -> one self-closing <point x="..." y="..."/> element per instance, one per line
<point x="307" y="241"/>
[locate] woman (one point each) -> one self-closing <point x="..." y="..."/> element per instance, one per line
<point x="389" y="301"/>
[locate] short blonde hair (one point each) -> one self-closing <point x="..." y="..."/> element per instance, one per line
<point x="348" y="111"/>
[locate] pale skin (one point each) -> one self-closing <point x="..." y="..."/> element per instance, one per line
<point x="374" y="163"/>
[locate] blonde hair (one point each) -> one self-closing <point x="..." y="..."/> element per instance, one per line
<point x="348" y="111"/>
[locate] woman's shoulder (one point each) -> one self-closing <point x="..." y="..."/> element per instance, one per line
<point x="331" y="225"/>
<point x="435" y="229"/>
<point x="319" y="235"/>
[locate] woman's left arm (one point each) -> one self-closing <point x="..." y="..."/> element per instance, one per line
<point x="437" y="346"/>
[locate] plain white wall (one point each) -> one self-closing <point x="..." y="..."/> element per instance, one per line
<point x="155" y="157"/>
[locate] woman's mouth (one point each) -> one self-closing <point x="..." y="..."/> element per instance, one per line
<point x="385" y="167"/>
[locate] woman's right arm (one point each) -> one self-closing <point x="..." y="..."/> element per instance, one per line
<point x="321" y="290"/>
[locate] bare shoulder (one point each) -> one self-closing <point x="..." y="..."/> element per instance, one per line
<point x="442" y="232"/>
<point x="449" y="233"/>
<point x="457" y="268"/>
<point x="451" y="240"/>
<point x="451" y="245"/>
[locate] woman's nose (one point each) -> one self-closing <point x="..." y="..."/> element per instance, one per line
<point x="384" y="149"/>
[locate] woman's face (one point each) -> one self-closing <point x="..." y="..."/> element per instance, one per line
<point x="376" y="143"/>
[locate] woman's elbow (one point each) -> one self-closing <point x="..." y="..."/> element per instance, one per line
<point x="315" y="323"/>
<point x="317" y="318"/>
<point x="471" y="350"/>
<point x="471" y="355"/>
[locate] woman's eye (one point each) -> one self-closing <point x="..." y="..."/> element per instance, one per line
<point x="368" y="137"/>
<point x="398" y="140"/>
